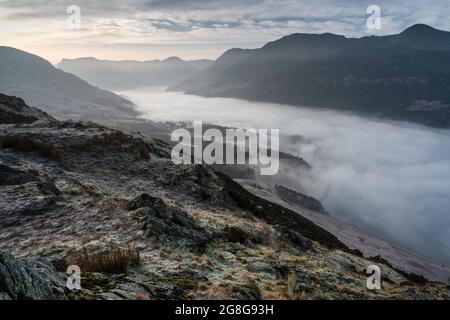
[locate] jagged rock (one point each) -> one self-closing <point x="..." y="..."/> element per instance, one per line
<point x="27" y="279"/>
<point x="33" y="205"/>
<point x="239" y="235"/>
<point x="47" y="187"/>
<point x="145" y="200"/>
<point x="246" y="292"/>
<point x="303" y="287"/>
<point x="110" y="296"/>
<point x="4" y="296"/>
<point x="198" y="181"/>
<point x="262" y="267"/>
<point x="191" y="274"/>
<point x="10" y="176"/>
<point x="167" y="223"/>
<point x="300" y="242"/>
<point x="299" y="199"/>
<point x="14" y="110"/>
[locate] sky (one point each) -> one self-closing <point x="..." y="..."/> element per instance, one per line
<point x="193" y="29"/>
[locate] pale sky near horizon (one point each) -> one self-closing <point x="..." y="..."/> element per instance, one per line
<point x="193" y="29"/>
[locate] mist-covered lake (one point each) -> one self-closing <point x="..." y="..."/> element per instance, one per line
<point x="392" y="179"/>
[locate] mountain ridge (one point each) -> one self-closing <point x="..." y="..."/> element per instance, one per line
<point x="59" y="93"/>
<point x="399" y="77"/>
<point x="131" y="74"/>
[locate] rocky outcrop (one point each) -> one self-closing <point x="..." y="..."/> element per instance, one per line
<point x="14" y="110"/>
<point x="299" y="199"/>
<point x="300" y="242"/>
<point x="168" y="224"/>
<point x="244" y="236"/>
<point x="29" y="279"/>
<point x="12" y="176"/>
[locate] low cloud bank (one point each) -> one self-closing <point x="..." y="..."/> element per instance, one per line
<point x="392" y="179"/>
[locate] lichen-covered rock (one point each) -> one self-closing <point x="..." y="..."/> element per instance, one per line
<point x="299" y="199"/>
<point x="246" y="292"/>
<point x="145" y="200"/>
<point x="242" y="235"/>
<point x="47" y="187"/>
<point x="14" y="110"/>
<point x="198" y="181"/>
<point x="11" y="176"/>
<point x="27" y="279"/>
<point x="168" y="223"/>
<point x="299" y="241"/>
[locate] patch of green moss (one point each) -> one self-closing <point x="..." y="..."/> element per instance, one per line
<point x="96" y="284"/>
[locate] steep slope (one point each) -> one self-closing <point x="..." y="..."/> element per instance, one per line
<point x="88" y="192"/>
<point x="59" y="93"/>
<point x="120" y="75"/>
<point x="401" y="77"/>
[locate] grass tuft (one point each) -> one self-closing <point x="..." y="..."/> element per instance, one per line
<point x="47" y="150"/>
<point x="110" y="260"/>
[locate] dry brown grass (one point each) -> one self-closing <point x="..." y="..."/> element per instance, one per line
<point x="266" y="234"/>
<point x="110" y="260"/>
<point x="26" y="144"/>
<point x="115" y="141"/>
<point x="142" y="296"/>
<point x="291" y="288"/>
<point x="112" y="205"/>
<point x="116" y="137"/>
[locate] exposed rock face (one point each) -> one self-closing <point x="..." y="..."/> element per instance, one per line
<point x="11" y="176"/>
<point x="300" y="242"/>
<point x="145" y="200"/>
<point x="166" y="223"/>
<point x="240" y="235"/>
<point x="14" y="110"/>
<point x="29" y="279"/>
<point x="299" y="199"/>
<point x="200" y="235"/>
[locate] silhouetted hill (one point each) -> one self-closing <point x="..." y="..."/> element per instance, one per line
<point x="59" y="93"/>
<point x="117" y="75"/>
<point x="402" y="77"/>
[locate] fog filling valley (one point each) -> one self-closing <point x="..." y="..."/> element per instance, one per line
<point x="392" y="179"/>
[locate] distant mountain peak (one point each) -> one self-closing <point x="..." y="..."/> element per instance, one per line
<point x="425" y="36"/>
<point x="173" y="59"/>
<point x="420" y="29"/>
<point x="79" y="59"/>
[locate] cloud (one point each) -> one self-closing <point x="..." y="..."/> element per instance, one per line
<point x="242" y="23"/>
<point x="389" y="178"/>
